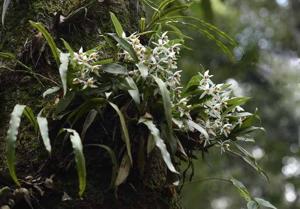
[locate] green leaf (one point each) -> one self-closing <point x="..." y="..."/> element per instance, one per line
<point x="31" y="118"/>
<point x="63" y="70"/>
<point x="115" y="69"/>
<point x="157" y="19"/>
<point x="84" y="108"/>
<point x="49" y="39"/>
<point x="10" y="56"/>
<point x="117" y="25"/>
<point x="125" y="46"/>
<point x="51" y="91"/>
<point x="251" y="162"/>
<point x="159" y="142"/>
<point x="104" y="62"/>
<point x="142" y="24"/>
<point x="237" y="101"/>
<point x="4" y="190"/>
<point x="143" y="70"/>
<point x="79" y="159"/>
<point x="43" y="125"/>
<point x="252" y="205"/>
<point x="196" y="126"/>
<point x="134" y="91"/>
<point x="193" y="83"/>
<point x="264" y="203"/>
<point x="168" y="111"/>
<point x="242" y="189"/>
<point x="161" y="7"/>
<point x="88" y="122"/>
<point x="68" y="47"/>
<point x="11" y="140"/>
<point x="7" y="55"/>
<point x="124" y="130"/>
<point x="4" y="9"/>
<point x="64" y="103"/>
<point x="113" y="160"/>
<point x="124" y="169"/>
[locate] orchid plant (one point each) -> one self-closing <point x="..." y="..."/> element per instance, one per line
<point x="137" y="80"/>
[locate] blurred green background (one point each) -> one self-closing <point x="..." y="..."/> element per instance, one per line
<point x="266" y="68"/>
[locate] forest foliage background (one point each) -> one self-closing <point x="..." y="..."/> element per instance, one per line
<point x="266" y="68"/>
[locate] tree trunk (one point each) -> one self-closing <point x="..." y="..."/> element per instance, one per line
<point x="79" y="23"/>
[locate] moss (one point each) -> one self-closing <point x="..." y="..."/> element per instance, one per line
<point x="80" y="30"/>
<point x="20" y="90"/>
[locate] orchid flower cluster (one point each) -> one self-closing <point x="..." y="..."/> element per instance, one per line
<point x="86" y="76"/>
<point x="216" y="108"/>
<point x="160" y="60"/>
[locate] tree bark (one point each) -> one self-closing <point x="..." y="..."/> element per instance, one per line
<point x="79" y="23"/>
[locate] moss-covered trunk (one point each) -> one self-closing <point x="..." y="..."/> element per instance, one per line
<point x="79" y="22"/>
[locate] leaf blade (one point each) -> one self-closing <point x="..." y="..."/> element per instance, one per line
<point x="49" y="39"/>
<point x="43" y="126"/>
<point x="124" y="130"/>
<point x="160" y="144"/>
<point x="63" y="70"/>
<point x="11" y="139"/>
<point x="79" y="159"/>
<point x="167" y="109"/>
<point x="5" y="5"/>
<point x="88" y="122"/>
<point x="264" y="203"/>
<point x="124" y="170"/>
<point x="125" y="46"/>
<point x="134" y="91"/>
<point x="117" y="25"/>
<point x="242" y="189"/>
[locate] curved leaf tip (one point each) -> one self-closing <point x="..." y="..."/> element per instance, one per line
<point x="11" y="139"/>
<point x="79" y="159"/>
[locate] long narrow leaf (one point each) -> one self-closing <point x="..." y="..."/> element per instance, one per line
<point x="79" y="159"/>
<point x="84" y="108"/>
<point x="43" y="125"/>
<point x="63" y="69"/>
<point x="159" y="142"/>
<point x="68" y="47"/>
<point x="31" y="118"/>
<point x="167" y="108"/>
<point x="196" y="126"/>
<point x="88" y="122"/>
<point x="125" y="46"/>
<point x="124" y="130"/>
<point x="124" y="170"/>
<point x="4" y="9"/>
<point x="252" y="205"/>
<point x="117" y="25"/>
<point x="264" y="203"/>
<point x="113" y="161"/>
<point x="11" y="140"/>
<point x="51" y="91"/>
<point x="143" y="70"/>
<point x="134" y="91"/>
<point x="49" y="39"/>
<point x="242" y="189"/>
<point x="116" y="69"/>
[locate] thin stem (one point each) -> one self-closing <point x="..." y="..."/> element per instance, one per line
<point x="31" y="73"/>
<point x="209" y="179"/>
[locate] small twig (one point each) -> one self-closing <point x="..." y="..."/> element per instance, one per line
<point x="209" y="179"/>
<point x="31" y="73"/>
